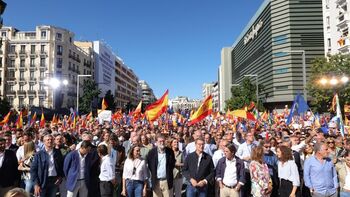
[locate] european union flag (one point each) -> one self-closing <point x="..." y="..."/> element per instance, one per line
<point x="299" y="106"/>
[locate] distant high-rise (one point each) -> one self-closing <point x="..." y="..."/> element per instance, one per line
<point x="146" y="92"/>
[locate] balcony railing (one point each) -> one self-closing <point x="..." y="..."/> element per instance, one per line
<point x="31" y="92"/>
<point x="11" y="78"/>
<point x="21" y="92"/>
<point x="41" y="92"/>
<point x="12" y="92"/>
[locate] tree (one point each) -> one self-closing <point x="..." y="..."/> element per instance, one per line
<point x="109" y="98"/>
<point x="243" y="95"/>
<point x="5" y="106"/>
<point x="91" y="92"/>
<point x="322" y="95"/>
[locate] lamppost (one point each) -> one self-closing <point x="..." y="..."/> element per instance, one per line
<point x="54" y="83"/>
<point x="304" y="69"/>
<point x="257" y="86"/>
<point x="78" y="89"/>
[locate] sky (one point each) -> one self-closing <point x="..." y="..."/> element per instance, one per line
<point x="172" y="44"/>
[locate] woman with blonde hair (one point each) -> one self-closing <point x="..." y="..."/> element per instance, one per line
<point x="17" y="192"/>
<point x="25" y="163"/>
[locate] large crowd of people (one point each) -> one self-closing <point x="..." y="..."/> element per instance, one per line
<point x="161" y="160"/>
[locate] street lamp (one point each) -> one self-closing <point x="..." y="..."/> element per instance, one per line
<point x="334" y="80"/>
<point x="78" y="89"/>
<point x="257" y="86"/>
<point x="304" y="69"/>
<point x="54" y="83"/>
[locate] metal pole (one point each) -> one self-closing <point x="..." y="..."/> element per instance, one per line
<point x="257" y="91"/>
<point x="304" y="74"/>
<point x="78" y="94"/>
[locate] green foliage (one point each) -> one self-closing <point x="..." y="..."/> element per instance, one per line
<point x="91" y="92"/>
<point x="243" y="95"/>
<point x="109" y="98"/>
<point x="322" y="95"/>
<point x="5" y="106"/>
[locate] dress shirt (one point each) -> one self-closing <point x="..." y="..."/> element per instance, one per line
<point x="141" y="169"/>
<point x="322" y="177"/>
<point x="191" y="147"/>
<point x="20" y="153"/>
<point x="289" y="171"/>
<point x="2" y="155"/>
<point x="82" y="165"/>
<point x="161" y="168"/>
<point x="107" y="173"/>
<point x="245" y="150"/>
<point x="52" y="169"/>
<point x="230" y="174"/>
<point x="217" y="156"/>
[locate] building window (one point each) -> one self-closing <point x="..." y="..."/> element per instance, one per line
<point x="12" y="63"/>
<point x="31" y="75"/>
<point x="280" y="54"/>
<point x="3" y="34"/>
<point x="281" y="87"/>
<point x="12" y="48"/>
<point x="31" y="87"/>
<point x="21" y="75"/>
<point x="0" y="62"/>
<point x="41" y="101"/>
<point x="23" y="49"/>
<point x="43" y="34"/>
<point x="12" y="73"/>
<point x="329" y="43"/>
<point x="42" y="74"/>
<point x="59" y="50"/>
<point x="20" y="101"/>
<point x="32" y="62"/>
<point x="280" y="39"/>
<point x="42" y="48"/>
<point x="32" y="49"/>
<point x="22" y="63"/>
<point x="21" y="87"/>
<point x="10" y="99"/>
<point x="59" y="63"/>
<point x="31" y="101"/>
<point x="59" y="36"/>
<point x="281" y="70"/>
<point x="42" y="62"/>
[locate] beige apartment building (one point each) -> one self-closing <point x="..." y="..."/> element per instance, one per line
<point x="40" y="68"/>
<point x="126" y="85"/>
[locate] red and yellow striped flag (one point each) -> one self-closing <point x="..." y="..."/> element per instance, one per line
<point x="42" y="120"/>
<point x="104" y="104"/>
<point x="203" y="111"/>
<point x="156" y="109"/>
<point x="6" y="118"/>
<point x="19" y="122"/>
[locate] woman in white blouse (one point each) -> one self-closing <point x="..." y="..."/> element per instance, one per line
<point x="287" y="172"/>
<point x="134" y="174"/>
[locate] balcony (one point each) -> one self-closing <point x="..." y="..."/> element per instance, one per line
<point x="43" y="53"/>
<point x="21" y="92"/>
<point x="12" y="54"/>
<point x="31" y="92"/>
<point x="11" y="78"/>
<point x="41" y="92"/>
<point x="344" y="45"/>
<point x="22" y="79"/>
<point x="22" y="53"/>
<point x="23" y="68"/>
<point x="11" y="67"/>
<point x="343" y="20"/>
<point x="32" y="54"/>
<point x="11" y="92"/>
<point x="32" y="79"/>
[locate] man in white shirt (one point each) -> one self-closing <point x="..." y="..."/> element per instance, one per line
<point x="107" y="174"/>
<point x="191" y="147"/>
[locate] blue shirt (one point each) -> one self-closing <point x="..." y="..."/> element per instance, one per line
<point x="322" y="177"/>
<point x="161" y="168"/>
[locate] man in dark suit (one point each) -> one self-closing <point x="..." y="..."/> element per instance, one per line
<point x="8" y="168"/>
<point x="161" y="163"/>
<point x="198" y="170"/>
<point x="47" y="169"/>
<point x="9" y="145"/>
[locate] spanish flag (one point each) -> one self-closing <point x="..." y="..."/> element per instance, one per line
<point x="104" y="104"/>
<point x="19" y="122"/>
<point x="33" y="119"/>
<point x="6" y="118"/>
<point x="156" y="109"/>
<point x="203" y="111"/>
<point x="42" y="120"/>
<point x="138" y="108"/>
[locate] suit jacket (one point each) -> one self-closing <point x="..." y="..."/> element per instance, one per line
<point x="39" y="170"/>
<point x="152" y="161"/>
<point x="9" y="170"/>
<point x="71" y="169"/>
<point x="205" y="170"/>
<point x="13" y="147"/>
<point x="240" y="173"/>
